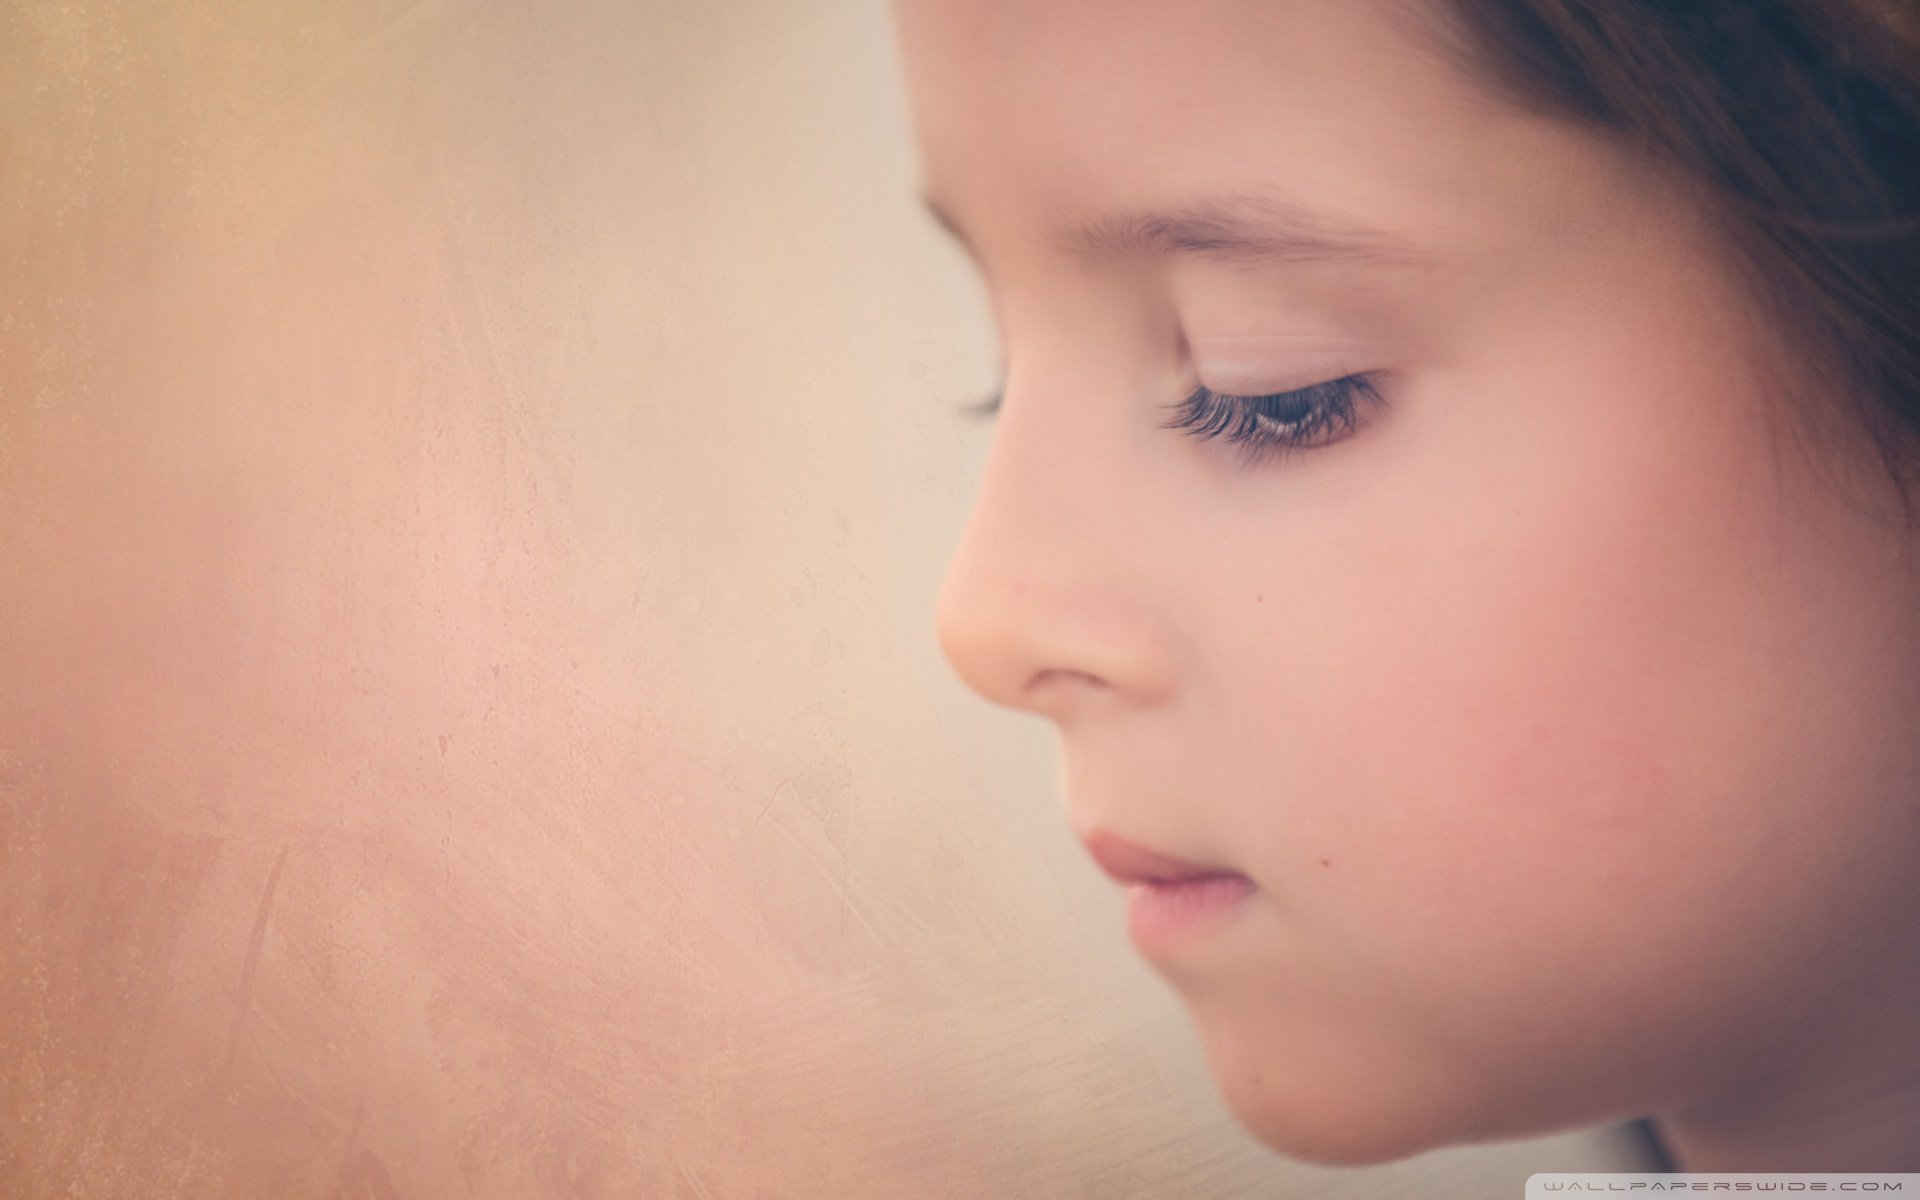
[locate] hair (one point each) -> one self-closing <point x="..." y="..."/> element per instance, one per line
<point x="1800" y="119"/>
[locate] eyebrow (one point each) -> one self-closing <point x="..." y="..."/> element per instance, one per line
<point x="1243" y="230"/>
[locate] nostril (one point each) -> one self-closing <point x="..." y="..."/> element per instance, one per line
<point x="1056" y="690"/>
<point x="1064" y="677"/>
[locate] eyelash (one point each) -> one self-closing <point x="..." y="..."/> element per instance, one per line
<point x="1280" y="423"/>
<point x="1306" y="418"/>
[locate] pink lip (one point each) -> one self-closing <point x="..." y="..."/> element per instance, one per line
<point x="1160" y="916"/>
<point x="1169" y="900"/>
<point x="1129" y="863"/>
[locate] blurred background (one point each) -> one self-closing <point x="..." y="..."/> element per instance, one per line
<point x="473" y="482"/>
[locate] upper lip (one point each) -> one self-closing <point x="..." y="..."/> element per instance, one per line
<point x="1129" y="863"/>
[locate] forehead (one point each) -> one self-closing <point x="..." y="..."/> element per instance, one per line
<point x="1033" y="115"/>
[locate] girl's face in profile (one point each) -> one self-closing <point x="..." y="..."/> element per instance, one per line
<point x="1395" y="499"/>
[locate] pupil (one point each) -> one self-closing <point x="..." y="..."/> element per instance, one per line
<point x="1290" y="409"/>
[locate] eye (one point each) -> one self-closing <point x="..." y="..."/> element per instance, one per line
<point x="1272" y="426"/>
<point x="1263" y="427"/>
<point x="985" y="408"/>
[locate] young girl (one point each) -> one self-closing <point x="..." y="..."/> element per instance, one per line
<point x="1451" y="493"/>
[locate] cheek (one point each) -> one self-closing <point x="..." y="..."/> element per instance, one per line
<point x="1548" y="635"/>
<point x="1540" y="749"/>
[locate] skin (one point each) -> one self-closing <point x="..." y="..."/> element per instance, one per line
<point x="1561" y="712"/>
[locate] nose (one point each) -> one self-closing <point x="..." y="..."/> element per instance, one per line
<point x="1054" y="602"/>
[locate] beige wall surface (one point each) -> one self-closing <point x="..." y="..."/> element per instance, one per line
<point x="473" y="481"/>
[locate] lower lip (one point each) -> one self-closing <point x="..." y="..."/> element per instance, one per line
<point x="1163" y="915"/>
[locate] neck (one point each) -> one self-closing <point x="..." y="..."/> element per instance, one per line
<point x="1850" y="1102"/>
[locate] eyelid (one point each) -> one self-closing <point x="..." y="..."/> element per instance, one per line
<point x="987" y="407"/>
<point x="1265" y="366"/>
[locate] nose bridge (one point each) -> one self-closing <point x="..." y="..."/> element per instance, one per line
<point x="1050" y="597"/>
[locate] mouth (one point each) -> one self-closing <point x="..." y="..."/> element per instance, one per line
<point x="1170" y="900"/>
<point x="1129" y="863"/>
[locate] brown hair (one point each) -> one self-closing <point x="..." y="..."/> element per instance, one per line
<point x="1801" y="119"/>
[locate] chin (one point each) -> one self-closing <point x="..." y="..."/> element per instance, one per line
<point x="1352" y="1141"/>
<point x="1346" y="1115"/>
<point x="1356" y="1120"/>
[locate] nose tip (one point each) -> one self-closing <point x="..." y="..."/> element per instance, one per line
<point x="983" y="638"/>
<point x="1045" y="632"/>
<point x="969" y="655"/>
